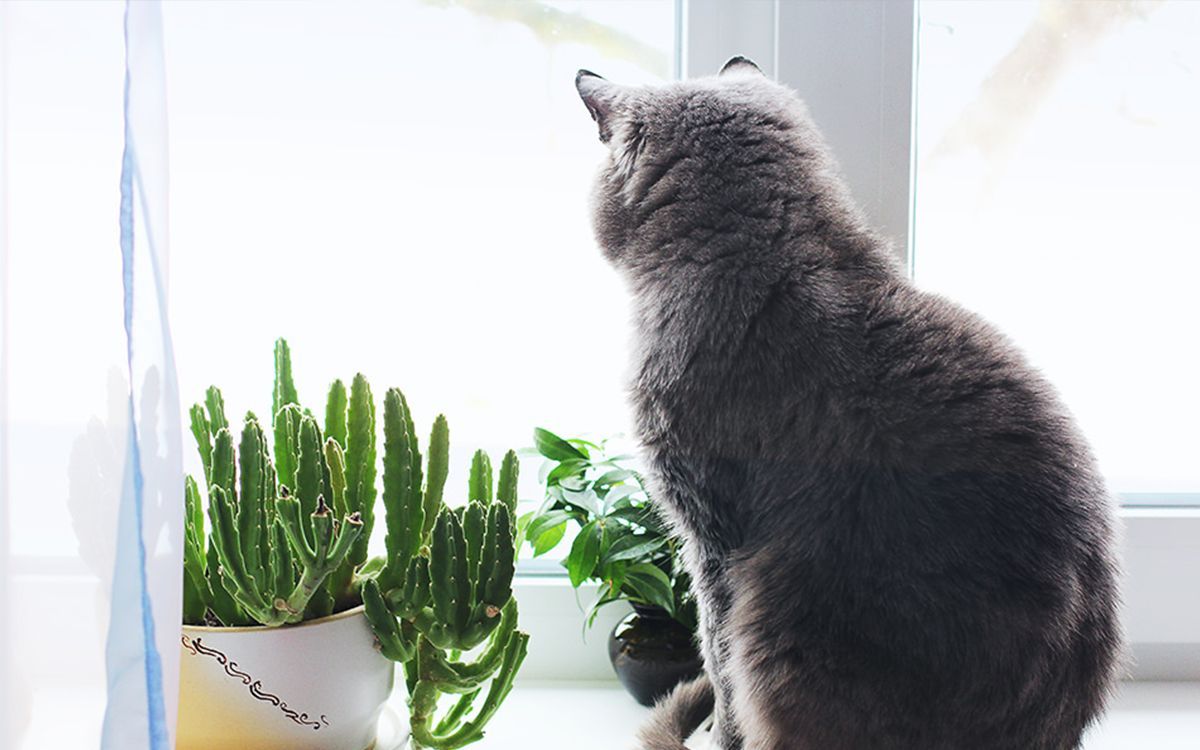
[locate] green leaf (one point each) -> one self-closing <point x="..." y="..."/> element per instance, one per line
<point x="543" y="523"/>
<point x="618" y="493"/>
<point x="639" y="516"/>
<point x="553" y="447"/>
<point x="522" y="525"/>
<point x="583" y="445"/>
<point x="613" y="576"/>
<point x="585" y="553"/>
<point x="585" y="500"/>
<point x="616" y="476"/>
<point x="651" y="584"/>
<point x="634" y="547"/>
<point x="572" y="467"/>
<point x="594" y="608"/>
<point x="549" y="539"/>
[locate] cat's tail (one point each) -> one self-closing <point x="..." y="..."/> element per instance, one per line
<point x="676" y="716"/>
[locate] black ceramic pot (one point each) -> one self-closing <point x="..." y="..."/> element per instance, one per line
<point x="651" y="653"/>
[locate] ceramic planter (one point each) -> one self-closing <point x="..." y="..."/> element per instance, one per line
<point x="652" y="653"/>
<point x="319" y="685"/>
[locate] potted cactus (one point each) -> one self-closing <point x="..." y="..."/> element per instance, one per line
<point x="279" y="650"/>
<point x="446" y="586"/>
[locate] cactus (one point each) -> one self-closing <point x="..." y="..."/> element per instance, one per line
<point x="273" y="551"/>
<point x="360" y="459"/>
<point x="447" y="586"/>
<point x="285" y="390"/>
<point x="335" y="412"/>
<point x="272" y="554"/>
<point x="277" y="554"/>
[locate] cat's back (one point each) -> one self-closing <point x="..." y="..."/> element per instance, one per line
<point x="948" y="389"/>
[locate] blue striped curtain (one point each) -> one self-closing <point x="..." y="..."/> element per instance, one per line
<point x="143" y="635"/>
<point x="90" y="426"/>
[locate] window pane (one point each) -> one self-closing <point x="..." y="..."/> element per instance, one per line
<point x="1058" y="195"/>
<point x="401" y="189"/>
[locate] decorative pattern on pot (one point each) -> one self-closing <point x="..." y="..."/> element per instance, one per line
<point x="320" y="685"/>
<point x="255" y="686"/>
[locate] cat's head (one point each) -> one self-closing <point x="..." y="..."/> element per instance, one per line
<point x="686" y="159"/>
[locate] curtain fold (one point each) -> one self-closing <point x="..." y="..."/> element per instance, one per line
<point x="91" y="521"/>
<point x="142" y="649"/>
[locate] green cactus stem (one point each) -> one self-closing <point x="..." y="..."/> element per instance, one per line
<point x="251" y="515"/>
<point x="335" y="412"/>
<point x="402" y="497"/>
<point x="506" y="489"/>
<point x="287" y="443"/>
<point x="284" y="392"/>
<point x="439" y="469"/>
<point x="480" y="486"/>
<point x="216" y="409"/>
<point x="286" y="600"/>
<point x="392" y="642"/>
<point x="263" y="563"/>
<point x="319" y="559"/>
<point x="446" y="589"/>
<point x="360" y="461"/>
<point x="196" y="595"/>
<point x="203" y="434"/>
<point x="505" y="656"/>
<point x="341" y="581"/>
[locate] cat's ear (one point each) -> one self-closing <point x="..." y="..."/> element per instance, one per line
<point x="739" y="65"/>
<point x="601" y="98"/>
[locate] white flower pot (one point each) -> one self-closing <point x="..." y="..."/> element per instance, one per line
<point x="319" y="685"/>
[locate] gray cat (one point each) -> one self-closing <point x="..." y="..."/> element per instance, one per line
<point x="898" y="537"/>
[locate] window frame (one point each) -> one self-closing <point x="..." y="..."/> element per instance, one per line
<point x="855" y="64"/>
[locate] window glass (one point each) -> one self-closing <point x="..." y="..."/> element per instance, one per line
<point x="1057" y="194"/>
<point x="399" y="188"/>
<point x="402" y="189"/>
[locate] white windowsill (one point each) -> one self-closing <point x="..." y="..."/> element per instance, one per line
<point x="566" y="685"/>
<point x="600" y="716"/>
<point x="540" y="715"/>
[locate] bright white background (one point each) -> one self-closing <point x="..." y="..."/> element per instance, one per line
<point x="1057" y="194"/>
<point x="401" y="189"/>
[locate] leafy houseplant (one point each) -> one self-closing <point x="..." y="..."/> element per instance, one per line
<point x="287" y="544"/>
<point x="623" y="545"/>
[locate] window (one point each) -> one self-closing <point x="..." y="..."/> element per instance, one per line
<point x="398" y="188"/>
<point x="401" y="189"/>
<point x="1115" y="329"/>
<point x="1057" y="196"/>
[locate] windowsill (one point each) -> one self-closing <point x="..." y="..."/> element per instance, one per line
<point x="600" y="716"/>
<point x="1162" y="619"/>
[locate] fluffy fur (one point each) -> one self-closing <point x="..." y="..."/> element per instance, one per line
<point x="678" y="715"/>
<point x="898" y="537"/>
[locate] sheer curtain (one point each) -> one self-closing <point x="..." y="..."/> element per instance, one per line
<point x="90" y="469"/>
<point x="396" y="187"/>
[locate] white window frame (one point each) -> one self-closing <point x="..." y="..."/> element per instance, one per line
<point x="855" y="65"/>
